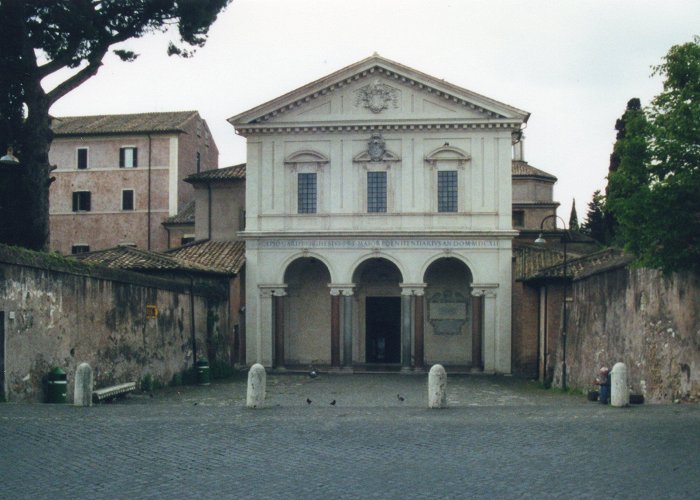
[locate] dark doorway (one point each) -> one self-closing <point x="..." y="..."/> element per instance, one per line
<point x="383" y="329"/>
<point x="2" y="355"/>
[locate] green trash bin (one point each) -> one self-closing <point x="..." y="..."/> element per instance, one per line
<point x="203" y="372"/>
<point x="57" y="385"/>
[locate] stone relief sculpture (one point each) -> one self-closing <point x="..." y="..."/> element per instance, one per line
<point x="376" y="147"/>
<point x="376" y="97"/>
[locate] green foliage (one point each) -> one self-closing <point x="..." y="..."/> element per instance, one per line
<point x="573" y="218"/>
<point x="653" y="191"/>
<point x="594" y="225"/>
<point x="41" y="38"/>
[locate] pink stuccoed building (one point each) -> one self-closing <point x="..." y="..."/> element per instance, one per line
<point x="119" y="177"/>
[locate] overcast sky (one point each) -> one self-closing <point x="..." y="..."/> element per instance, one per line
<point x="572" y="64"/>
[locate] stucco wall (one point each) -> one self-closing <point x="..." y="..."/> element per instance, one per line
<point x="648" y="321"/>
<point x="66" y="314"/>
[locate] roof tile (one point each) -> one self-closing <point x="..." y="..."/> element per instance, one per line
<point x="173" y="121"/>
<point x="225" y="256"/>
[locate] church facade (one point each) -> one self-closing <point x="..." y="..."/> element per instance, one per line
<point x="379" y="223"/>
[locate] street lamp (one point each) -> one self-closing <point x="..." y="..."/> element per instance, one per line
<point x="9" y="158"/>
<point x="541" y="241"/>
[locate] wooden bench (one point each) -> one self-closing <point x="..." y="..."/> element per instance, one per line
<point x="107" y="393"/>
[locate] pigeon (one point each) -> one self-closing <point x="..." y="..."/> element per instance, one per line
<point x="308" y="401"/>
<point x="400" y="398"/>
<point x="333" y="403"/>
<point x="313" y="373"/>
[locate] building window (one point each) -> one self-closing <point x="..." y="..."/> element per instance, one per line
<point x="447" y="191"/>
<point x="186" y="238"/>
<point x="128" y="157"/>
<point x="306" y="191"/>
<point x="199" y="162"/>
<point x="81" y="201"/>
<point x="80" y="248"/>
<point x="82" y="158"/>
<point x="518" y="218"/>
<point x="376" y="192"/>
<point x="127" y="199"/>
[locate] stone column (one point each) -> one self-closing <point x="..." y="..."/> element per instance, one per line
<point x="266" y="339"/>
<point x="406" y="327"/>
<point x="419" y="326"/>
<point x="347" y="328"/>
<point x="278" y="300"/>
<point x="412" y="339"/>
<point x="489" y="294"/>
<point x="335" y="329"/>
<point x="477" y="331"/>
<point x="342" y="294"/>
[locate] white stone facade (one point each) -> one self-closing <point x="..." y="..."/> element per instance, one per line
<point x="378" y="223"/>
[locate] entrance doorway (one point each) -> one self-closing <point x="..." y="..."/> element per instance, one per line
<point x="383" y="329"/>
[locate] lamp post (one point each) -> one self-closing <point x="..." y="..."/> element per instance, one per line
<point x="565" y="320"/>
<point x="9" y="159"/>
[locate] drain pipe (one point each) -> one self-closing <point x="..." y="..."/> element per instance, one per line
<point x="209" y="212"/>
<point x="192" y="328"/>
<point x="149" y="193"/>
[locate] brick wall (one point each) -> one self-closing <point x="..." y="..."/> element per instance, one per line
<point x="67" y="313"/>
<point x="644" y="319"/>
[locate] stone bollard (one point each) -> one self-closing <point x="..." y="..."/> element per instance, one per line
<point x="619" y="392"/>
<point x="82" y="396"/>
<point x="437" y="387"/>
<point x="256" y="386"/>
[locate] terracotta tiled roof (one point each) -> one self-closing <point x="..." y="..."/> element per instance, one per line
<point x="533" y="263"/>
<point x="134" y="259"/>
<point x="523" y="169"/>
<point x="184" y="216"/>
<point x="234" y="173"/>
<point x="121" y="124"/>
<point x="225" y="256"/>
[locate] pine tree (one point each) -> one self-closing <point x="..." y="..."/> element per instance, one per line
<point x="573" y="218"/>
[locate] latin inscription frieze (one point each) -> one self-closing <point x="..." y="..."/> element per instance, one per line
<point x="376" y="243"/>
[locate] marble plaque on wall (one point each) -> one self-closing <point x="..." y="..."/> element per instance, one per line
<point x="447" y="312"/>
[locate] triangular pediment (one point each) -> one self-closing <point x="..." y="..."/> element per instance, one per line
<point x="374" y="91"/>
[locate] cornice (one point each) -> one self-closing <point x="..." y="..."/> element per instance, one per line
<point x="403" y="125"/>
<point x="385" y="234"/>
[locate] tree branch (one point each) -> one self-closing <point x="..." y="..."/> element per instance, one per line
<point x="79" y="78"/>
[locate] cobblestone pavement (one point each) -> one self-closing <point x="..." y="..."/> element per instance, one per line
<point x="499" y="438"/>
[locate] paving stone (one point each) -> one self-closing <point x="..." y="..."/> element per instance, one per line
<point x="499" y="437"/>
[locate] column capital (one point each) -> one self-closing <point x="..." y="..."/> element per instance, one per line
<point x="346" y="289"/>
<point x="484" y="289"/>
<point x="272" y="290"/>
<point x="417" y="289"/>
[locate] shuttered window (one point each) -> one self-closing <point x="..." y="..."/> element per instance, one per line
<point x="128" y="157"/>
<point x="81" y="201"/>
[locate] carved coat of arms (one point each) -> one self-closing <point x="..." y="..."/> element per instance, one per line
<point x="376" y="97"/>
<point x="376" y="147"/>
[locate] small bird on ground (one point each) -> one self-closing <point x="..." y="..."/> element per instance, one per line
<point x="313" y="373"/>
<point x="400" y="398"/>
<point x="308" y="401"/>
<point x="333" y="403"/>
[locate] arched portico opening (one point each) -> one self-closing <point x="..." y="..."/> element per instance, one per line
<point x="378" y="294"/>
<point x="450" y="322"/>
<point x="304" y="335"/>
